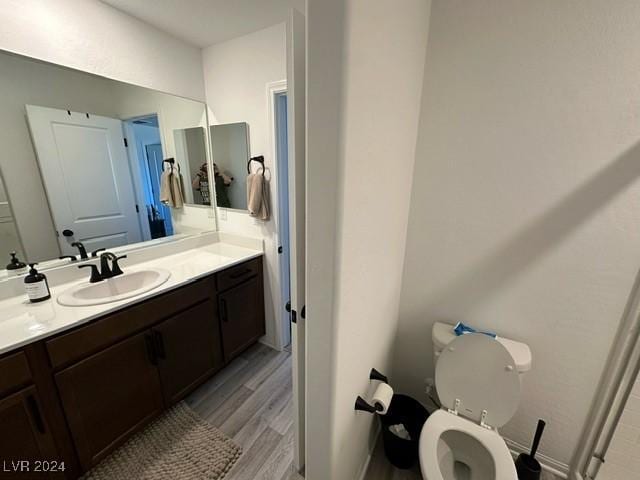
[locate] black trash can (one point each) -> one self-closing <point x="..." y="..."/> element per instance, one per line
<point x="407" y="411"/>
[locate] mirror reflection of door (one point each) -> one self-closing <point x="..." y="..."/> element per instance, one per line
<point x="86" y="173"/>
<point x="159" y="214"/>
<point x="146" y="156"/>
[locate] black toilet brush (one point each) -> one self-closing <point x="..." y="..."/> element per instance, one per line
<point x="527" y="466"/>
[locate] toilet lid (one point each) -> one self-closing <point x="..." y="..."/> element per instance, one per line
<point x="479" y="372"/>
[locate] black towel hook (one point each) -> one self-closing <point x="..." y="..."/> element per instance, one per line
<point x="171" y="162"/>
<point x="259" y="159"/>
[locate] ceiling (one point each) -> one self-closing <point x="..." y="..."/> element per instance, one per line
<point x="205" y="22"/>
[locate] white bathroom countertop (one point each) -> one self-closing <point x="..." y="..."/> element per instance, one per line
<point x="22" y="322"/>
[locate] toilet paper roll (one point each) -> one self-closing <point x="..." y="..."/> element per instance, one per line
<point x="382" y="397"/>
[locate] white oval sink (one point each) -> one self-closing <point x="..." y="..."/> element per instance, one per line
<point x="117" y="288"/>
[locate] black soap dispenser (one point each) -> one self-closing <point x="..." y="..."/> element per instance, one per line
<point x="36" y="285"/>
<point x="15" y="266"/>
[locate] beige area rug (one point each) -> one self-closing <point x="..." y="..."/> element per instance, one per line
<point x="179" y="445"/>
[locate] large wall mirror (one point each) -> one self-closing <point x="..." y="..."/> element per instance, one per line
<point x="84" y="159"/>
<point x="230" y="152"/>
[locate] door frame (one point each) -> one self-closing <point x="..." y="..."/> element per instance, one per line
<point x="616" y="382"/>
<point x="296" y="48"/>
<point x="273" y="90"/>
<point x="134" y="165"/>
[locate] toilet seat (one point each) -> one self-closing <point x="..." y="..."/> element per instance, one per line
<point x="431" y="453"/>
<point x="476" y="376"/>
<point x="479" y="387"/>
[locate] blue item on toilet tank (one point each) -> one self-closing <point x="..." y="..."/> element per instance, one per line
<point x="461" y="329"/>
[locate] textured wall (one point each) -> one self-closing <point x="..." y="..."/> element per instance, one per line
<point x="91" y="36"/>
<point x="382" y="55"/>
<point x="525" y="207"/>
<point x="236" y="76"/>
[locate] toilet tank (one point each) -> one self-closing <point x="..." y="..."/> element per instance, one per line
<point x="442" y="334"/>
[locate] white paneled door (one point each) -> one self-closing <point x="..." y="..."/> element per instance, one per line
<point x="86" y="174"/>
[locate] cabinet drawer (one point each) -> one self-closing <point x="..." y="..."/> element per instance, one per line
<point x="84" y="341"/>
<point x="14" y="372"/>
<point x="238" y="274"/>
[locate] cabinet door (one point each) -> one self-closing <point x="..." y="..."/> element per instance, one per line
<point x="24" y="436"/>
<point x="241" y="316"/>
<point x="110" y="395"/>
<point x="189" y="349"/>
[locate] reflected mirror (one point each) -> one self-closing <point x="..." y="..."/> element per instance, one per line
<point x="230" y="152"/>
<point x="191" y="155"/>
<point x="86" y="159"/>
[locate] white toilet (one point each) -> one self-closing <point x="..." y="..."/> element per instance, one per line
<point x="478" y="381"/>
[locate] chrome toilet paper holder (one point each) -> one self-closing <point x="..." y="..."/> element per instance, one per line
<point x="364" y="406"/>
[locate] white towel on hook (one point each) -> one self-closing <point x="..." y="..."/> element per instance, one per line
<point x="171" y="188"/>
<point x="258" y="196"/>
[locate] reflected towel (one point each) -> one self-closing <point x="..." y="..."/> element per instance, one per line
<point x="171" y="188"/>
<point x="258" y="196"/>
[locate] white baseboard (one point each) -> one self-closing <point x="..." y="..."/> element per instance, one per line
<point x="264" y="341"/>
<point x="559" y="469"/>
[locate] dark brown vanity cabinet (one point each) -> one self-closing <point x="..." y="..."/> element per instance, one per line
<point x="171" y="344"/>
<point x="241" y="306"/>
<point x="109" y="395"/>
<point x="24" y="436"/>
<point x="241" y="321"/>
<point x="77" y="396"/>
<point x="109" y="378"/>
<point x="188" y="349"/>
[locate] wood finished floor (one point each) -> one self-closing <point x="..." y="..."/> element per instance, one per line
<point x="251" y="401"/>
<point x="381" y="469"/>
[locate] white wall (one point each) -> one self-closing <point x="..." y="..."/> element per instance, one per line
<point x="383" y="52"/>
<point x="91" y="36"/>
<point x="236" y="76"/>
<point x="525" y="206"/>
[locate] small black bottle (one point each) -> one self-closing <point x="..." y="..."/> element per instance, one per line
<point x="16" y="267"/>
<point x="36" y="285"/>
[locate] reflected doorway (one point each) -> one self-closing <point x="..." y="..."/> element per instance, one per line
<point x="146" y="153"/>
